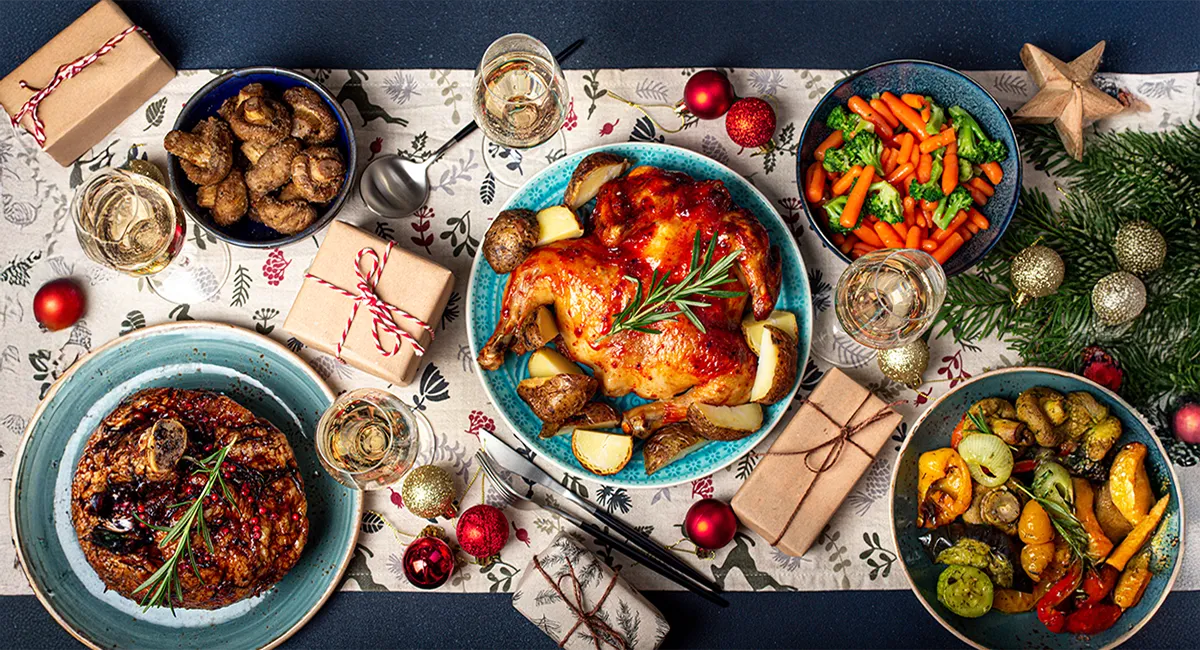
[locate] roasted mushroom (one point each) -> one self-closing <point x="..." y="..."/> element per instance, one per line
<point x="1041" y="409"/>
<point x="313" y="122"/>
<point x="273" y="168"/>
<point x="318" y="173"/>
<point x="999" y="416"/>
<point x="226" y="200"/>
<point x="229" y="107"/>
<point x="1001" y="508"/>
<point x="286" y="217"/>
<point x="206" y="154"/>
<point x="261" y="120"/>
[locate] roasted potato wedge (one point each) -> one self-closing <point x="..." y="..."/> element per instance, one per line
<point x="602" y="452"/>
<point x="784" y="320"/>
<point x="556" y="223"/>
<point x="776" y="366"/>
<point x="594" y="415"/>
<point x="554" y="399"/>
<point x="1114" y="524"/>
<point x="669" y="444"/>
<point x="547" y="362"/>
<point x="510" y="238"/>
<point x="725" y="422"/>
<point x="590" y="175"/>
<point x="537" y="332"/>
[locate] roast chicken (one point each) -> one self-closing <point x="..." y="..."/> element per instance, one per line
<point x="646" y="222"/>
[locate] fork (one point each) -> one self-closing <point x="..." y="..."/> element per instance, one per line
<point x="511" y="497"/>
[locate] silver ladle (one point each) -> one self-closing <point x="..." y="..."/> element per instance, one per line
<point x="394" y="187"/>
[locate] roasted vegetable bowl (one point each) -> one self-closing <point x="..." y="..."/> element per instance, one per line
<point x="1035" y="508"/>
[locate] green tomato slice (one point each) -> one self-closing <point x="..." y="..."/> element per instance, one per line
<point x="988" y="458"/>
<point x="965" y="590"/>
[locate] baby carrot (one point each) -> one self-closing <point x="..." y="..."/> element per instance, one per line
<point x="965" y="233"/>
<point x="948" y="247"/>
<point x="835" y="140"/>
<point x="863" y="110"/>
<point x="863" y="247"/>
<point x="900" y="172"/>
<point x="906" y="145"/>
<point x="888" y="235"/>
<point x="888" y="158"/>
<point x="867" y="234"/>
<point x="837" y="238"/>
<point x="907" y="116"/>
<point x="901" y="229"/>
<point x="848" y="244"/>
<point x="815" y="188"/>
<point x="916" y="101"/>
<point x="949" y="172"/>
<point x="957" y="221"/>
<point x="858" y="196"/>
<point x="915" y="158"/>
<point x="843" y="184"/>
<point x="885" y="113"/>
<point x="910" y="205"/>
<point x="970" y="227"/>
<point x="938" y="141"/>
<point x="978" y="219"/>
<point x="929" y="245"/>
<point x="915" y="235"/>
<point x="924" y="168"/>
<point x="982" y="185"/>
<point x="978" y="197"/>
<point x="993" y="172"/>
<point x="926" y="113"/>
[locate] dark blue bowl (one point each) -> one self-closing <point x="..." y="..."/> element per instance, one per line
<point x="205" y="102"/>
<point x="948" y="87"/>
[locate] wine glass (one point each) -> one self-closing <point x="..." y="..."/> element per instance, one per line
<point x="521" y="99"/>
<point x="128" y="221"/>
<point x="885" y="299"/>
<point x="368" y="439"/>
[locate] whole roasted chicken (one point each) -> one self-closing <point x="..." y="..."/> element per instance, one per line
<point x="644" y="227"/>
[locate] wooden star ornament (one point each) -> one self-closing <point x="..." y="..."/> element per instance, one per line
<point x="1066" y="95"/>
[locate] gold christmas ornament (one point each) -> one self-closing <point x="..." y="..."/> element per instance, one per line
<point x="428" y="492"/>
<point x="906" y="363"/>
<point x="1036" y="272"/>
<point x="1140" y="247"/>
<point x="1118" y="298"/>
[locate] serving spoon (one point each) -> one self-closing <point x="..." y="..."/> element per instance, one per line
<point x="394" y="186"/>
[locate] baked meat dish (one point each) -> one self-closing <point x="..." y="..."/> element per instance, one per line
<point x="143" y="469"/>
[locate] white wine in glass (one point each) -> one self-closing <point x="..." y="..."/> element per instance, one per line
<point x="889" y="298"/>
<point x="368" y="439"/>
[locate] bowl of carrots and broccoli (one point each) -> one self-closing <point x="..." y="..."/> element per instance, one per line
<point x="909" y="154"/>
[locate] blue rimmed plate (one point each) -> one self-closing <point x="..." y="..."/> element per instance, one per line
<point x="487" y="289"/>
<point x="255" y="371"/>
<point x="995" y="630"/>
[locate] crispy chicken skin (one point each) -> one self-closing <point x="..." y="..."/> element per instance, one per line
<point x="643" y="222"/>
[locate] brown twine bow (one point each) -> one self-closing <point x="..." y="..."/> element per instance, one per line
<point x="838" y="443"/>
<point x="588" y="619"/>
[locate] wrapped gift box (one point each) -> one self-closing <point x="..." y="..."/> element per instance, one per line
<point x="85" y="108"/>
<point x="553" y="574"/>
<point x="409" y="282"/>
<point x="787" y="499"/>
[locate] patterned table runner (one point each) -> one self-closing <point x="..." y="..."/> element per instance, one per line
<point x="413" y="111"/>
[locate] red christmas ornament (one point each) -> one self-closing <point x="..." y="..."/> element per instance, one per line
<point x="710" y="524"/>
<point x="59" y="304"/>
<point x="750" y="122"/>
<point x="482" y="531"/>
<point x="428" y="561"/>
<point x="1185" y="423"/>
<point x="1100" y="367"/>
<point x="708" y="94"/>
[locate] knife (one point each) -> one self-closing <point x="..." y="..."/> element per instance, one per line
<point x="509" y="459"/>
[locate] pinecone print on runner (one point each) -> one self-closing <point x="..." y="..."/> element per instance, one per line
<point x="274" y="267"/>
<point x="872" y="487"/>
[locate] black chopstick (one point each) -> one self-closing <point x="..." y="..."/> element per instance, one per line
<point x="650" y="546"/>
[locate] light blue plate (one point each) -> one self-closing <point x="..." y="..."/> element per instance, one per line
<point x="995" y="630"/>
<point x="255" y="371"/>
<point x="487" y="288"/>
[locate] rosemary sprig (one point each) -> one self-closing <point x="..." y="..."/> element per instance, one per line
<point x="978" y="421"/>
<point x="701" y="281"/>
<point x="164" y="586"/>
<point x="1065" y="522"/>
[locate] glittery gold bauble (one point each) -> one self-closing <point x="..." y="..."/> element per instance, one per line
<point x="1118" y="298"/>
<point x="1140" y="247"/>
<point x="906" y="363"/>
<point x="428" y="492"/>
<point x="147" y="169"/>
<point x="1036" y="272"/>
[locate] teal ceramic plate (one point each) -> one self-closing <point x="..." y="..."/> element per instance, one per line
<point x="258" y="373"/>
<point x="487" y="288"/>
<point x="995" y="630"/>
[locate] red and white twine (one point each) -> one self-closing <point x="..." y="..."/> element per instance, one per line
<point x="384" y="313"/>
<point x="64" y="72"/>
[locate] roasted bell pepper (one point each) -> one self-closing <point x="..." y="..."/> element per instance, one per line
<point x="943" y="487"/>
<point x="1053" y="619"/>
<point x="1137" y="537"/>
<point x="1093" y="619"/>
<point x="1133" y="581"/>
<point x="1098" y="583"/>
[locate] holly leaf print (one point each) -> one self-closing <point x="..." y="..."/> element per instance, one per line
<point x="155" y="113"/>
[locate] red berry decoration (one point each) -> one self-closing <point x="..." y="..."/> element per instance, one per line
<point x="708" y="94"/>
<point x="482" y="532"/>
<point x="59" y="304"/>
<point x="710" y="524"/>
<point x="750" y="122"/>
<point x="1185" y="423"/>
<point x="1100" y="367"/>
<point x="428" y="560"/>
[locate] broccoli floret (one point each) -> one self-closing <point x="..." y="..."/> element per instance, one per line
<point x="883" y="201"/>
<point x="949" y="207"/>
<point x="864" y="150"/>
<point x="965" y="170"/>
<point x="834" y="209"/>
<point x="931" y="191"/>
<point x="837" y="160"/>
<point x="937" y="117"/>
<point x="842" y="120"/>
<point x="973" y="143"/>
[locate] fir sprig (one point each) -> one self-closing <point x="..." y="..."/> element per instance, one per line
<point x="1124" y="176"/>
<point x="164" y="585"/>
<point x="702" y="279"/>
